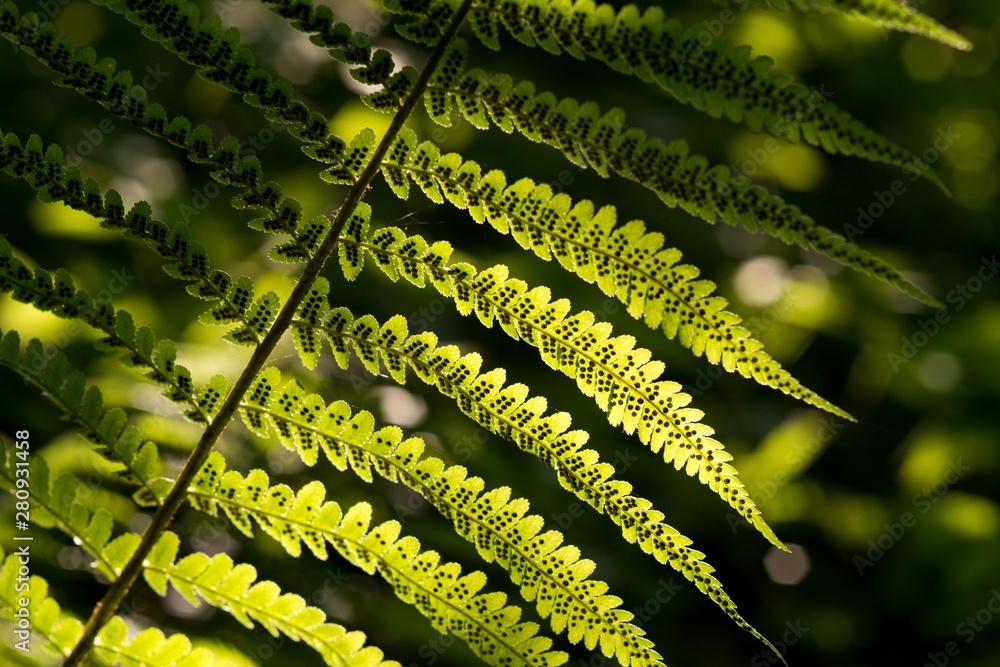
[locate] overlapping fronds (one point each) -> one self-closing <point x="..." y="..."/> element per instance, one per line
<point x="59" y="629"/>
<point x="354" y="48"/>
<point x="101" y="81"/>
<point x="217" y="53"/>
<point x="507" y="412"/>
<point x="142" y="348"/>
<point x="720" y="81"/>
<point x="56" y="503"/>
<point x="623" y="260"/>
<point x="234" y="588"/>
<point x="187" y="259"/>
<point x="217" y="580"/>
<point x="552" y="575"/>
<point x="133" y="460"/>
<point x="450" y="600"/>
<point x="621" y="378"/>
<point x="219" y="56"/>
<point x="490" y="626"/>
<point x="888" y="14"/>
<point x="605" y="141"/>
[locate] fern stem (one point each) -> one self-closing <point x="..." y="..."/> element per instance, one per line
<point x="116" y="593"/>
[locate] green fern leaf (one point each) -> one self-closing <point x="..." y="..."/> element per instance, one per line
<point x="719" y="81"/>
<point x="234" y="587"/>
<point x="890" y="14"/>
<point x="188" y="260"/>
<point x="624" y="261"/>
<point x="142" y="347"/>
<point x="449" y="600"/>
<point x="132" y="460"/>
<point x="621" y="378"/>
<point x="588" y="137"/>
<point x="495" y="524"/>
<point x="505" y="411"/>
<point x="149" y="648"/>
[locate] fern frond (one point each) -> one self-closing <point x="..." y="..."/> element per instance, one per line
<point x="218" y="581"/>
<point x="709" y="77"/>
<point x="624" y="260"/>
<point x="901" y="16"/>
<point x="115" y="92"/>
<point x="83" y="405"/>
<point x="59" y="629"/>
<point x="220" y="57"/>
<point x="141" y="347"/>
<point x="150" y="648"/>
<point x="57" y="503"/>
<point x="620" y="377"/>
<point x="451" y="602"/>
<point x="505" y="411"/>
<point x="234" y="588"/>
<point x="217" y="53"/>
<point x="557" y="578"/>
<point x="606" y="142"/>
<point x="354" y="48"/>
<point x="509" y="413"/>
<point x="889" y="14"/>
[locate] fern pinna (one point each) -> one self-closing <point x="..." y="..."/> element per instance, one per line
<point x="626" y="260"/>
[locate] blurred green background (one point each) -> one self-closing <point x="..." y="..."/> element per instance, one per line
<point x="893" y="520"/>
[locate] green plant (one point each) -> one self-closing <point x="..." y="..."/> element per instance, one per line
<point x="625" y="261"/>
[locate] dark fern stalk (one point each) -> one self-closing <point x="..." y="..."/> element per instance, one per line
<point x="164" y="514"/>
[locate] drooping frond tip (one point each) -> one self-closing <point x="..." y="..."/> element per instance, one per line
<point x="886" y="14"/>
